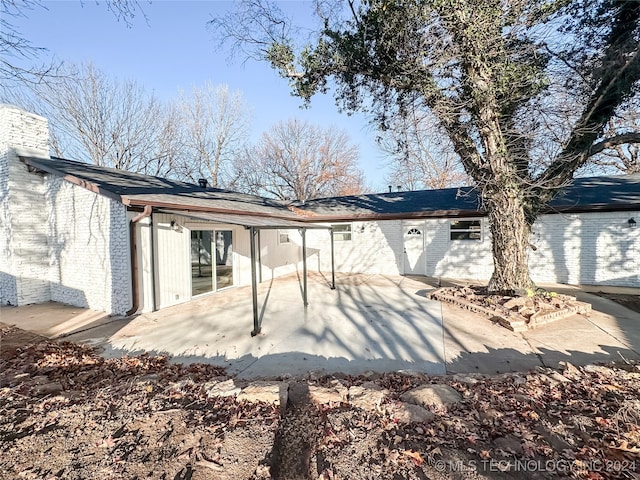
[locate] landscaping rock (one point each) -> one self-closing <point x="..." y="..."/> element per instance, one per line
<point x="559" y="377"/>
<point x="221" y="389"/>
<point x="336" y="393"/>
<point x="569" y="369"/>
<point x="598" y="369"/>
<point x="469" y="379"/>
<point x="432" y="395"/>
<point x="509" y="444"/>
<point x="267" y="392"/>
<point x="517" y="302"/>
<point x="406" y="413"/>
<point x="368" y="396"/>
<point x="552" y="382"/>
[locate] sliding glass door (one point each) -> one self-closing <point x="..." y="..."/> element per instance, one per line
<point x="211" y="260"/>
<point x="224" y="259"/>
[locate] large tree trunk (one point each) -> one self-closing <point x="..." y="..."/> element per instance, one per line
<point x="510" y="231"/>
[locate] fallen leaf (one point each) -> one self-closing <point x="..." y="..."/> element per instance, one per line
<point x="108" y="442"/>
<point x="415" y="456"/>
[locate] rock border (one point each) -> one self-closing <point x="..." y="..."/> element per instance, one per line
<point x="513" y="321"/>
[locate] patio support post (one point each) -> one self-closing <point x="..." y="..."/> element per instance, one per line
<point x="254" y="284"/>
<point x="333" y="262"/>
<point x="259" y="258"/>
<point x="304" y="266"/>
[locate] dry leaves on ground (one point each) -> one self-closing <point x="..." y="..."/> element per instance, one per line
<point x="65" y="412"/>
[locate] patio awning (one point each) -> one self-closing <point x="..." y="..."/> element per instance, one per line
<point x="255" y="223"/>
<point x="246" y="221"/>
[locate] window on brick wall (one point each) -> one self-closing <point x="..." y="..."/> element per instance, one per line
<point x="465" y="230"/>
<point x="342" y="232"/>
<point x="283" y="237"/>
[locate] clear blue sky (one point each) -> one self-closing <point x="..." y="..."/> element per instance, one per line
<point x="174" y="49"/>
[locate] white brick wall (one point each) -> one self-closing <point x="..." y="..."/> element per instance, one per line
<point x="24" y="273"/>
<point x="375" y="247"/>
<point x="588" y="248"/>
<point x="457" y="258"/>
<point x="8" y="287"/>
<point x="89" y="248"/>
<point x="595" y="248"/>
<point x="58" y="241"/>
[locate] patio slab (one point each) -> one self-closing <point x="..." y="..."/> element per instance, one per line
<point x="52" y="319"/>
<point x="369" y="323"/>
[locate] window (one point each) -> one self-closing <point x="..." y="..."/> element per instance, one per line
<point x="283" y="236"/>
<point x="465" y="230"/>
<point x="342" y="233"/>
<point x="414" y="231"/>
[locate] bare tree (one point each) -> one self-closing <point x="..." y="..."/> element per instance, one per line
<point x="215" y="123"/>
<point x="615" y="157"/>
<point x="421" y="154"/>
<point x="488" y="70"/>
<point x="16" y="52"/>
<point x="107" y="122"/>
<point x="297" y="160"/>
<point x="113" y="123"/>
<point x="20" y="62"/>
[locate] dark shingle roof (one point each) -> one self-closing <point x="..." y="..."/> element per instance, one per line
<point x="396" y="203"/>
<point x="615" y="192"/>
<point x="592" y="193"/>
<point x="138" y="189"/>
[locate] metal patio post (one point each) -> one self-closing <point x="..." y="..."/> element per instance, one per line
<point x="254" y="284"/>
<point x="304" y="266"/>
<point x="333" y="263"/>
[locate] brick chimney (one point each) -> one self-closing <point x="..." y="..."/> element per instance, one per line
<point x="24" y="251"/>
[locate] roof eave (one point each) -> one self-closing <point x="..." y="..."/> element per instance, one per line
<point x="136" y="202"/>
<point x="32" y="162"/>
<point x="395" y="216"/>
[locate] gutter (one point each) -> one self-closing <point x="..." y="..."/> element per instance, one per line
<point x="148" y="210"/>
<point x="134" y="202"/>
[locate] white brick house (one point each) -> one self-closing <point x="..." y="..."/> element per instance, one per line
<point x="118" y="242"/>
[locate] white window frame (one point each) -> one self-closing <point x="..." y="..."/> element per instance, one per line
<point x="344" y="230"/>
<point x="281" y="234"/>
<point x="468" y="230"/>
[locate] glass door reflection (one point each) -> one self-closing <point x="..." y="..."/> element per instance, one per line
<point x="201" y="265"/>
<point x="224" y="258"/>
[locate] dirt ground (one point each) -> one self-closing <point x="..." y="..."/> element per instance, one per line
<point x="66" y="413"/>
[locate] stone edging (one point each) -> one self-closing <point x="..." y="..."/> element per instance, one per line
<point x="514" y="321"/>
<point x="412" y="407"/>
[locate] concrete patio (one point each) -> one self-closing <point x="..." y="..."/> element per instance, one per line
<point x="369" y="323"/>
<point x="356" y="328"/>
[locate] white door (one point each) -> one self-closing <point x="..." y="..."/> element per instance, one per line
<point x="414" y="254"/>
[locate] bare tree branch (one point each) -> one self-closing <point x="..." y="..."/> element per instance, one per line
<point x="619" y="75"/>
<point x="622" y="139"/>
<point x="215" y="122"/>
<point x="297" y="160"/>
<point x="20" y="62"/>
